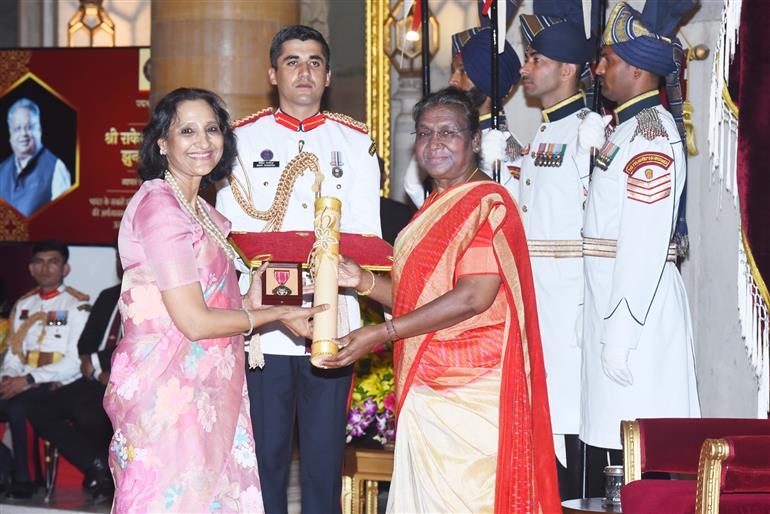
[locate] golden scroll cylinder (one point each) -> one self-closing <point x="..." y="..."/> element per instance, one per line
<point x="326" y="250"/>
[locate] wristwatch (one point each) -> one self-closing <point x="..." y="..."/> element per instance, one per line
<point x="30" y="379"/>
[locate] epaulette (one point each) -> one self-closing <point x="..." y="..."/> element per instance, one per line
<point x="347" y="121"/>
<point x="512" y="148"/>
<point x="77" y="294"/>
<point x="649" y="125"/>
<point x="251" y="118"/>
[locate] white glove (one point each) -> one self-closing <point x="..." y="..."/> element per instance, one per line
<point x="615" y="364"/>
<point x="591" y="132"/>
<point x="493" y="145"/>
<point x="413" y="184"/>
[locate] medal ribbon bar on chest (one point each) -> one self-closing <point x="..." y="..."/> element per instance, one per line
<point x="550" y="154"/>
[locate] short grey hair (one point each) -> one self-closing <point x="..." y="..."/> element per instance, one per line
<point x="24" y="103"/>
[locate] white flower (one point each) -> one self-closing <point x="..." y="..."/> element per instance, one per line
<point x="251" y="500"/>
<point x="226" y="363"/>
<point x="207" y="413"/>
<point x="245" y="457"/>
<point x="129" y="387"/>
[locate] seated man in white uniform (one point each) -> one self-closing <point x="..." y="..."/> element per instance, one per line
<point x="43" y="349"/>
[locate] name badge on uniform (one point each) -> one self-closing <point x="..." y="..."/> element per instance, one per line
<point x="56" y="318"/>
<point x="336" y="163"/>
<point x="607" y="152"/>
<point x="267" y="160"/>
<point x="550" y="155"/>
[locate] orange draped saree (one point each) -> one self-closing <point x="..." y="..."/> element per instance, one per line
<point x="459" y="387"/>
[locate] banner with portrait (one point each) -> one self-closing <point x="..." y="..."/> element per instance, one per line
<point x="69" y="141"/>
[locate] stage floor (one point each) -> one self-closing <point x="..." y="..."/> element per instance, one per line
<point x="69" y="500"/>
<point x="74" y="500"/>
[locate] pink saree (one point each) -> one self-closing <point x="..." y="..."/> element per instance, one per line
<point x="183" y="440"/>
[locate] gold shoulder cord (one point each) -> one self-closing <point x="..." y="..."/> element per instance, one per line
<point x="16" y="338"/>
<point x="274" y="215"/>
<point x="347" y="120"/>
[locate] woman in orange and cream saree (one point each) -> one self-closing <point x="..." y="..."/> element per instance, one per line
<point x="473" y="428"/>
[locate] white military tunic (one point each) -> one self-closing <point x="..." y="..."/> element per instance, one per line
<point x="267" y="141"/>
<point x="63" y="314"/>
<point x="635" y="298"/>
<point x="553" y="187"/>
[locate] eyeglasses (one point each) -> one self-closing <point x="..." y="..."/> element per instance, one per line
<point x="441" y="135"/>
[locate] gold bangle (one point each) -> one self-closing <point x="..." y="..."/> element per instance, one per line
<point x="368" y="291"/>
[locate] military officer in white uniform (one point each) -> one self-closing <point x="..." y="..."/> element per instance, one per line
<point x="553" y="186"/>
<point x="43" y="348"/>
<point x="471" y="54"/>
<point x="289" y="385"/>
<point x="638" y="359"/>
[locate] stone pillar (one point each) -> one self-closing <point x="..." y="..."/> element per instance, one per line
<point x="37" y="23"/>
<point x="218" y="45"/>
<point x="408" y="94"/>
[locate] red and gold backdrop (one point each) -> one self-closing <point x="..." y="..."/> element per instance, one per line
<point x="94" y="103"/>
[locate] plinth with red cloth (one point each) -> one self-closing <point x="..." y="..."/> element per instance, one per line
<point x="255" y="248"/>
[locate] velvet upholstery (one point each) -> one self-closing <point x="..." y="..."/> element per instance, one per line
<point x="747" y="468"/>
<point x="678" y="497"/>
<point x="670" y="496"/>
<point x="744" y="504"/>
<point x="753" y="84"/>
<point x="673" y="445"/>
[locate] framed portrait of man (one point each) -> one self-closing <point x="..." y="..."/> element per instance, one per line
<point x="38" y="145"/>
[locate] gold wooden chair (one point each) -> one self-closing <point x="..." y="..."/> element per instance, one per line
<point x="729" y="458"/>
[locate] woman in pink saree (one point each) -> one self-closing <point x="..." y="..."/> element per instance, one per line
<point x="177" y="396"/>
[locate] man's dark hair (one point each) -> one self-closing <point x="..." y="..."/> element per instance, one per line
<point x="449" y="96"/>
<point x="51" y="245"/>
<point x="153" y="164"/>
<point x="303" y="33"/>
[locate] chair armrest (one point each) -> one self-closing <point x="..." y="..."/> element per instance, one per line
<point x="713" y="453"/>
<point x="747" y="466"/>
<point x="735" y="464"/>
<point x="632" y="451"/>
